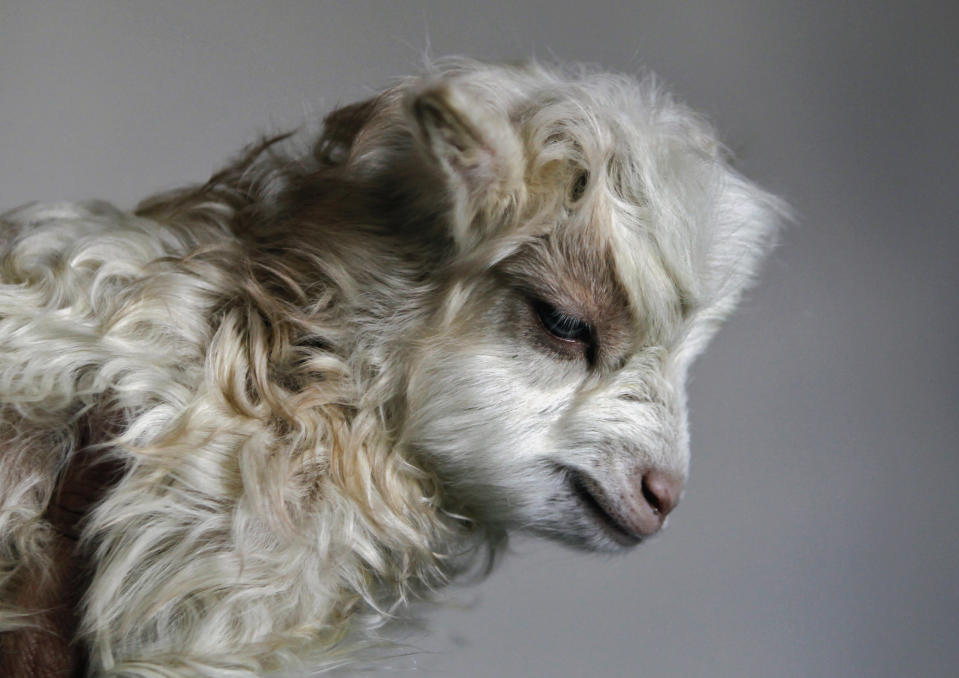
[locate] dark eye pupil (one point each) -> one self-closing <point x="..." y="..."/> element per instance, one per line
<point x="579" y="186"/>
<point x="562" y="326"/>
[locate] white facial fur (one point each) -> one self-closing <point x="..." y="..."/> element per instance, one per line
<point x="671" y="231"/>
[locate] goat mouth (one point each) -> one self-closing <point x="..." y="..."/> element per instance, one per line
<point x="597" y="506"/>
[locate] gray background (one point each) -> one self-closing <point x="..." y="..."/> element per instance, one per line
<point x="818" y="532"/>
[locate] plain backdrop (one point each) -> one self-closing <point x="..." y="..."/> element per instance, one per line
<point x="818" y="535"/>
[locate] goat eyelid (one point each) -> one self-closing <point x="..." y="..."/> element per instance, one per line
<point x="562" y="325"/>
<point x="578" y="187"/>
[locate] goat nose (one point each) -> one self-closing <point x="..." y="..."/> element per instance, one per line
<point x="661" y="491"/>
<point x="652" y="495"/>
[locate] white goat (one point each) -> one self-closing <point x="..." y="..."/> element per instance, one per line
<point x="245" y="424"/>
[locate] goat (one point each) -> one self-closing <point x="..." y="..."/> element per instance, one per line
<point x="249" y="422"/>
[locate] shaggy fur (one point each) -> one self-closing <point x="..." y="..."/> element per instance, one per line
<point x="294" y="399"/>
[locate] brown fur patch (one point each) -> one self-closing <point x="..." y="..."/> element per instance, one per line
<point x="49" y="648"/>
<point x="572" y="270"/>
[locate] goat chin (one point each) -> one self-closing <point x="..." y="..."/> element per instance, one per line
<point x="252" y="420"/>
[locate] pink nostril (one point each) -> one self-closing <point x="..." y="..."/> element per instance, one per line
<point x="661" y="491"/>
<point x="653" y="493"/>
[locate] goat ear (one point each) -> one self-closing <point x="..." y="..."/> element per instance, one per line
<point x="452" y="131"/>
<point x="340" y="129"/>
<point x="476" y="150"/>
<point x="746" y="223"/>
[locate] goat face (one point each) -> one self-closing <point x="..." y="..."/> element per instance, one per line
<point x="596" y="239"/>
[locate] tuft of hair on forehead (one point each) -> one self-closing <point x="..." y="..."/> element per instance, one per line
<point x="618" y="157"/>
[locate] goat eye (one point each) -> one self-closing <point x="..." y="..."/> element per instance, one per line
<point x="578" y="187"/>
<point x="561" y="325"/>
